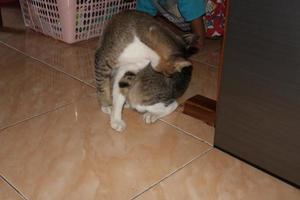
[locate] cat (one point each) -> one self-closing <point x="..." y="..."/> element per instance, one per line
<point x="131" y="37"/>
<point x="147" y="91"/>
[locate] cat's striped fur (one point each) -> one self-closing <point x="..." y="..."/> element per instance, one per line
<point x="133" y="36"/>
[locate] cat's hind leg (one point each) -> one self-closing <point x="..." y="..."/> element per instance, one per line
<point x="157" y="111"/>
<point x="119" y="100"/>
<point x="116" y="121"/>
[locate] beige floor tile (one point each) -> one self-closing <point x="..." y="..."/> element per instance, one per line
<point x="91" y="44"/>
<point x="210" y="54"/>
<point x="217" y="175"/>
<point x="76" y="61"/>
<point x="212" y="58"/>
<point x="73" y="59"/>
<point x="38" y="45"/>
<point x="192" y="126"/>
<point x="72" y="153"/>
<point x="204" y="82"/>
<point x="7" y="192"/>
<point x="29" y="88"/>
<point x="33" y="43"/>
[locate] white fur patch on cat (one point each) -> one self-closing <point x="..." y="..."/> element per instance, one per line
<point x="156" y="111"/>
<point x="116" y="120"/>
<point x="137" y="51"/>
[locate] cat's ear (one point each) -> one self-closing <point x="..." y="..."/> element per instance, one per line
<point x="180" y="63"/>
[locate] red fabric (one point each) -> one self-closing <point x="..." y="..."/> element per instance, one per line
<point x="214" y="18"/>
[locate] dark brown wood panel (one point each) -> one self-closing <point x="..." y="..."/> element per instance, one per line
<point x="258" y="112"/>
<point x="201" y="108"/>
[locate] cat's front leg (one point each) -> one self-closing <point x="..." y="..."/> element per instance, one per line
<point x="103" y="81"/>
<point x="119" y="99"/>
<point x="104" y="94"/>
<point x="116" y="121"/>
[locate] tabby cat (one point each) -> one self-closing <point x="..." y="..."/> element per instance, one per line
<point x="132" y="37"/>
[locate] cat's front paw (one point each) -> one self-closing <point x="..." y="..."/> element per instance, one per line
<point x="106" y="109"/>
<point x="118" y="125"/>
<point x="150" y="117"/>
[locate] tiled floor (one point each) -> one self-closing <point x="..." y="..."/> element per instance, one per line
<point x="55" y="143"/>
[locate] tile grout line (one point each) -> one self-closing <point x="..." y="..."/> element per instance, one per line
<point x="206" y="63"/>
<point x="34" y="116"/>
<point x="90" y="85"/>
<point x="70" y="75"/>
<point x="187" y="133"/>
<point x="42" y="113"/>
<point x="170" y="174"/>
<point x="13" y="187"/>
<point x="74" y="77"/>
<point x="43" y="62"/>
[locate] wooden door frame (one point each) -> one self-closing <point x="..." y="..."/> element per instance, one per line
<point x="199" y="106"/>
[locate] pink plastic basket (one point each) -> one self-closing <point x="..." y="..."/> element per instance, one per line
<point x="71" y="20"/>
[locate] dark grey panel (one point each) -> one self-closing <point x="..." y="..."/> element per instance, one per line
<point x="258" y="113"/>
